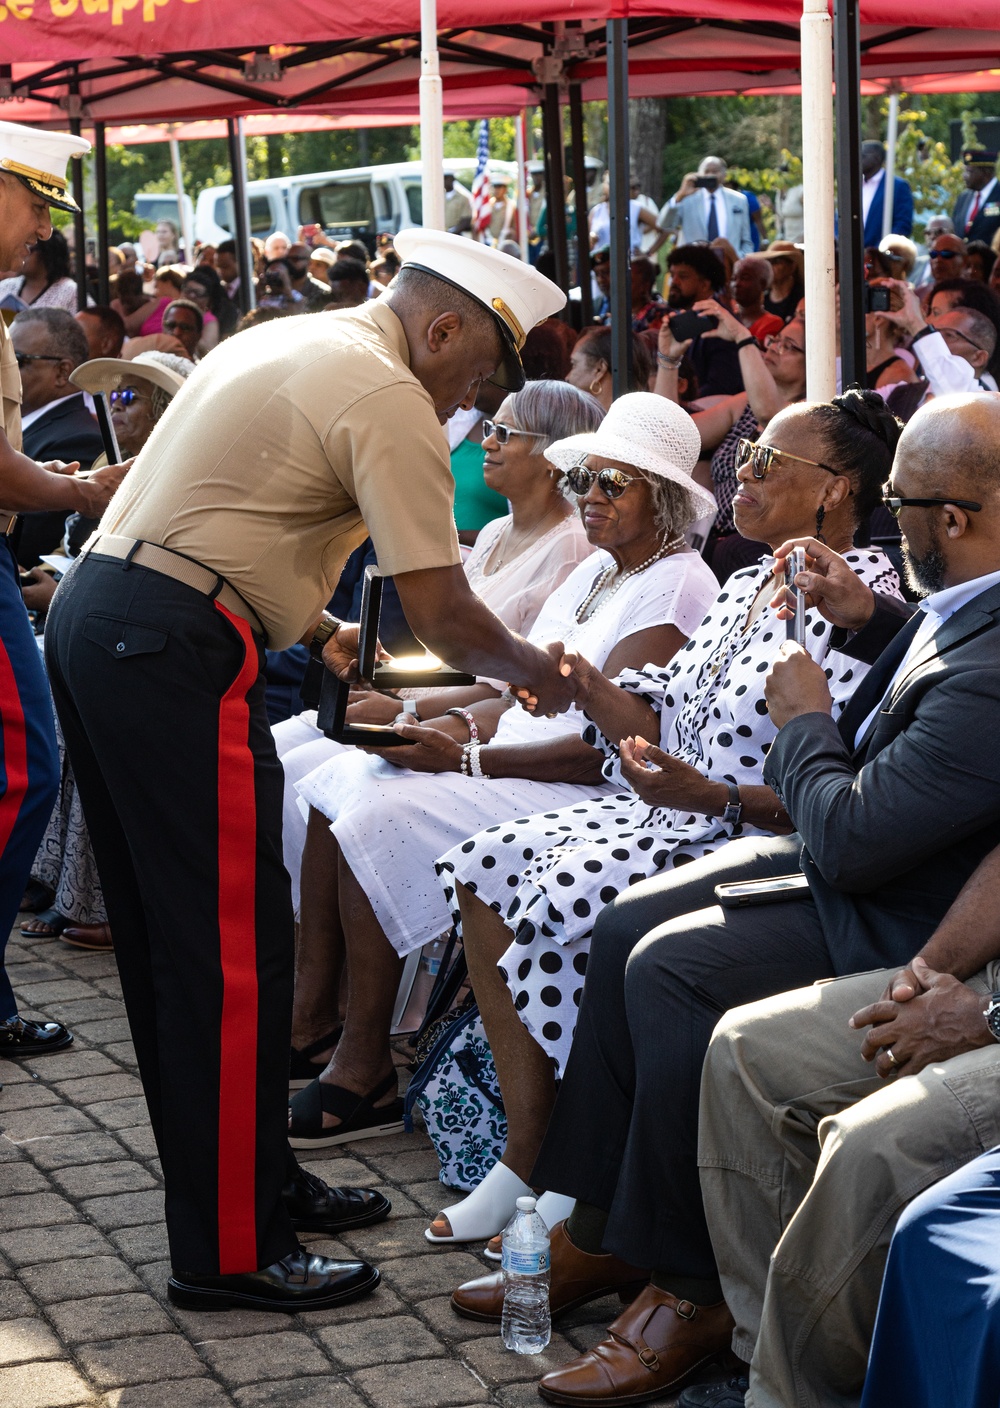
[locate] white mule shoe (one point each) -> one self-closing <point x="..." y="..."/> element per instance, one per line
<point x="551" y="1208"/>
<point x="487" y="1209"/>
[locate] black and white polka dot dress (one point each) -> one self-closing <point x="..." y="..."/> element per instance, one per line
<point x="550" y="874"/>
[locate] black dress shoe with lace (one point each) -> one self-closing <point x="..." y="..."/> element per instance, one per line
<point x="296" y="1282"/>
<point x="21" y="1038"/>
<point x="731" y="1394"/>
<point x="315" y="1207"/>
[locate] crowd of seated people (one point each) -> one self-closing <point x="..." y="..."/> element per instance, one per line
<point x="725" y="1145"/>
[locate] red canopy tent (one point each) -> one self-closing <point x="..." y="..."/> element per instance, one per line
<point x="202" y="59"/>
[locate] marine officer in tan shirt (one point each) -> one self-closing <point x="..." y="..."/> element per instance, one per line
<point x="32" y="180"/>
<point x="287" y="447"/>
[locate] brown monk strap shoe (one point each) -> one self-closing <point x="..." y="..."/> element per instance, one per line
<point x="653" y="1346"/>
<point x="576" y="1278"/>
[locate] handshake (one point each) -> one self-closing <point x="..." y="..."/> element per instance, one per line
<point x="571" y="684"/>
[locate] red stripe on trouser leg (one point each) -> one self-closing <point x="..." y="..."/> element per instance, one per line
<point x="238" y="958"/>
<point x="15" y="748"/>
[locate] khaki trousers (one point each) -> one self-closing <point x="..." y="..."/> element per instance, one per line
<point x="806" y="1160"/>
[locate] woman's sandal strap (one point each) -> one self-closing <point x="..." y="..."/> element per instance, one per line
<point x="319" y="1097"/>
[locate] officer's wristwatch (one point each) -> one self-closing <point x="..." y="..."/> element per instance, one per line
<point x="326" y="630"/>
<point x="992" y="1015"/>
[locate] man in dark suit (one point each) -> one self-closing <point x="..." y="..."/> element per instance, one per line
<point x="49" y="344"/>
<point x="977" y="210"/>
<point x="873" y="197"/>
<point x="895" y="808"/>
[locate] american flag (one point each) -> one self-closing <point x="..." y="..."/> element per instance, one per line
<point x="481" y="186"/>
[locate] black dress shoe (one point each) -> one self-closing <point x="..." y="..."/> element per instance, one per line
<point x="315" y="1207"/>
<point x="731" y="1394"/>
<point x="21" y="1038"/>
<point x="296" y="1282"/>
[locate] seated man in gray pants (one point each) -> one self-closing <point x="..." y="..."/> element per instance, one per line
<point x="895" y="808"/>
<point x="813" y="1141"/>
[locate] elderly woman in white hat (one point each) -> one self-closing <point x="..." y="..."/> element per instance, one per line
<point x="527" y="906"/>
<point x="139" y="391"/>
<point x="382" y="821"/>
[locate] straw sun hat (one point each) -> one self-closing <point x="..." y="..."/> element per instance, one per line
<point x="107" y="373"/>
<point x="648" y="432"/>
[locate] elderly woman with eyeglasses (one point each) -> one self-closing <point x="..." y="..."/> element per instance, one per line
<point x="377" y="824"/>
<point x="693" y="736"/>
<point x="774" y="377"/>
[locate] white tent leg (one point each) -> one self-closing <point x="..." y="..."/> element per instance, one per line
<point x="431" y="119"/>
<point x="817" y="177"/>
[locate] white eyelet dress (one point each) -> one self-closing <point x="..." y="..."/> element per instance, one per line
<point x="392" y="824"/>
<point x="549" y="875"/>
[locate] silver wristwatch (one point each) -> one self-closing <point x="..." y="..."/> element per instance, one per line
<point x="992" y="1015"/>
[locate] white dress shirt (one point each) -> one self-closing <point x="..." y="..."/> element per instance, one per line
<point x="937" y="608"/>
<point x="868" y="189"/>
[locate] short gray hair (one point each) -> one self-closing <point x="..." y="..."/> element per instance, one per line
<point x="64" y="335"/>
<point x="553" y="410"/>
<point x="673" y="506"/>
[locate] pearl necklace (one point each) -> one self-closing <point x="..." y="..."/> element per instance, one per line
<point x="603" y="581"/>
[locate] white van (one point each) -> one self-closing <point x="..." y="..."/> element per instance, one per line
<point x="153" y="206"/>
<point x="360" y="203"/>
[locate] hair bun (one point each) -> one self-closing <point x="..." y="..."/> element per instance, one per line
<point x="870" y="411"/>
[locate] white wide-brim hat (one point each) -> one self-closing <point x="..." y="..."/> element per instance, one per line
<point x="38" y="159"/>
<point x="648" y="432"/>
<point x="517" y="295"/>
<point x="104" y="374"/>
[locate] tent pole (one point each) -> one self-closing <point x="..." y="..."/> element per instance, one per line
<point x="555" y="193"/>
<point x="889" y="179"/>
<point x="101" y="183"/>
<point x="580" y="191"/>
<point x="521" y="140"/>
<point x="817" y="140"/>
<point x="431" y="119"/>
<point x="241" y="213"/>
<point x="618" y="165"/>
<point x="79" y="222"/>
<point x="184" y="222"/>
<point x="847" y="65"/>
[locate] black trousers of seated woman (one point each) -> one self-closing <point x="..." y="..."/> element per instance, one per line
<point x="665" y="962"/>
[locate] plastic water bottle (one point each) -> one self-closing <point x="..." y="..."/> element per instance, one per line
<point x="526" y="1325"/>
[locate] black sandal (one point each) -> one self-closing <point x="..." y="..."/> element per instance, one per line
<point x="302" y="1066"/>
<point x="357" y="1113"/>
<point x="37" y="896"/>
<point x="54" y="921"/>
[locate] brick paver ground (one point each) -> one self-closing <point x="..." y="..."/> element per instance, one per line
<point x="84" y="1318"/>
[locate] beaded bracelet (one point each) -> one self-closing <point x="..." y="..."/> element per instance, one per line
<point x="668" y="363"/>
<point x="469" y="764"/>
<point x="469" y="718"/>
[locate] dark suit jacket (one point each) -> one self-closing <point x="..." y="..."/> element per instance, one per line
<point x="894" y="827"/>
<point x="67" y="432"/>
<point x="902" y="212"/>
<point x="986" y="224"/>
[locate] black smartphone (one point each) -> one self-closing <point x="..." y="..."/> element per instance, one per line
<point x="707" y="183"/>
<point x="877" y="300"/>
<point x="688" y="324"/>
<point x="773" y="891"/>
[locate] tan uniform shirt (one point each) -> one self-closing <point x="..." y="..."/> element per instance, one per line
<point x="10" y="389"/>
<point x="288" y="446"/>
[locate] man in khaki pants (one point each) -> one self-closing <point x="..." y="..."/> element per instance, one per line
<point x="808" y="1155"/>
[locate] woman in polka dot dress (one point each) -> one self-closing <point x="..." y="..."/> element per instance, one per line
<point x="527" y="892"/>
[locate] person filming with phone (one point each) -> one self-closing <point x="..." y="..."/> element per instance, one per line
<point x="774" y="377"/>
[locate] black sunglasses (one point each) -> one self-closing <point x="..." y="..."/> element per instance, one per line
<point x="126" y="396"/>
<point x="760" y="458"/>
<point x="22" y="357"/>
<point x="611" y="482"/>
<point x="894" y="503"/>
<point x="946" y="254"/>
